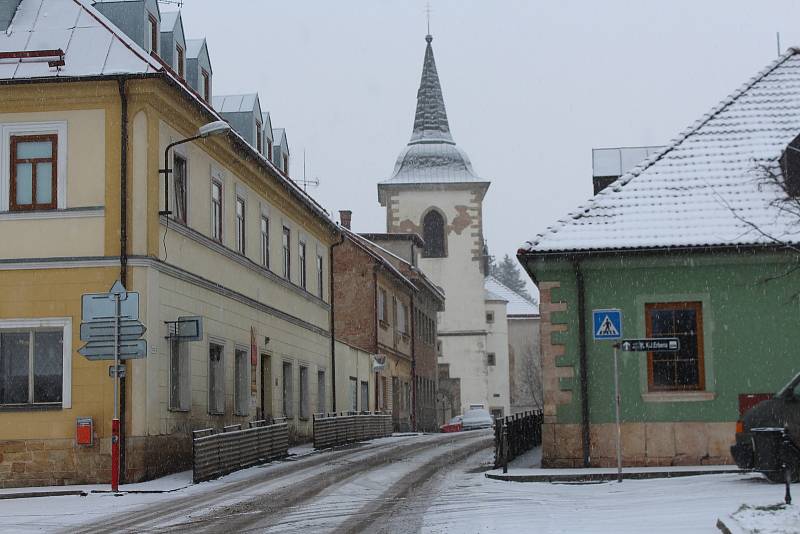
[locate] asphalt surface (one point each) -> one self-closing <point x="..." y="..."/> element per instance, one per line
<point x="383" y="488"/>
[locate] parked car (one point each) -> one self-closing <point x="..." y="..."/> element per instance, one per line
<point x="478" y="418"/>
<point x="453" y="426"/>
<point x="781" y="411"/>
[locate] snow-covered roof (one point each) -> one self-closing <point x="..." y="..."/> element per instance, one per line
<point x="516" y="304"/>
<point x="431" y="155"/>
<point x="707" y="187"/>
<point x="235" y="103"/>
<point x="90" y="44"/>
<point x="194" y="46"/>
<point x="168" y="20"/>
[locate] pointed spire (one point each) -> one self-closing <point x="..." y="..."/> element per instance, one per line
<point x="430" y="121"/>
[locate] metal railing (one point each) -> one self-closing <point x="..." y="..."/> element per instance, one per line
<point x="218" y="453"/>
<point x="515" y="434"/>
<point x="333" y="429"/>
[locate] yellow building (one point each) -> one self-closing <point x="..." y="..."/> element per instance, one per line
<point x="83" y="132"/>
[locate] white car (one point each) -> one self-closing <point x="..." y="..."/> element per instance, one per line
<point x="478" y="418"/>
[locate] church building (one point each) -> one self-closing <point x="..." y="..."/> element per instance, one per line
<point x="435" y="193"/>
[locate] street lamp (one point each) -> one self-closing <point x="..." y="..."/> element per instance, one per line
<point x="206" y="130"/>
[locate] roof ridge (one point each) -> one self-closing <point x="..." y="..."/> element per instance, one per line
<point x="617" y="185"/>
<point x="517" y="293"/>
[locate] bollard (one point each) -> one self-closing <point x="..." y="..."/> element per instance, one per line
<point x="786" y="451"/>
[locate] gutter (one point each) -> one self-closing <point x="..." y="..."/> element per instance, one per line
<point x="583" y="363"/>
<point x="413" y="366"/>
<point x="123" y="252"/>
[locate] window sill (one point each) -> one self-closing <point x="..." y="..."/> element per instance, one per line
<point x="216" y="414"/>
<point x="68" y="213"/>
<point x="678" y="396"/>
<point x="179" y="410"/>
<point x="30" y="407"/>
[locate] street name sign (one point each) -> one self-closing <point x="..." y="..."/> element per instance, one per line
<point x="104" y="350"/>
<point x="607" y="324"/>
<point x="658" y="344"/>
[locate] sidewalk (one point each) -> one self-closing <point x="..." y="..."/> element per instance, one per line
<point x="526" y="468"/>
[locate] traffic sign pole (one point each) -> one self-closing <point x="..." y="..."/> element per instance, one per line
<point x="115" y="421"/>
<point x="616" y="407"/>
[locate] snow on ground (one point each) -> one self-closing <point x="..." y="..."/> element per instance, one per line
<point x="775" y="519"/>
<point x="473" y="503"/>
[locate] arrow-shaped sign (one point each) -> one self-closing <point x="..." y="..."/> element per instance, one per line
<point x="655" y="344"/>
<point x="104" y="350"/>
<point x="104" y="330"/>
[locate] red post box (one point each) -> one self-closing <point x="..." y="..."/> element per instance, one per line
<point x="84" y="431"/>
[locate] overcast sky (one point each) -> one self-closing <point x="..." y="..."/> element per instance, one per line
<point x="530" y="86"/>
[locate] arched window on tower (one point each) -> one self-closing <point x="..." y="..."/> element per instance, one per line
<point x="433" y="234"/>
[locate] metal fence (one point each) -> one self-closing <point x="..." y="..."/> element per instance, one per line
<point x="514" y="435"/>
<point x="332" y="429"/>
<point x="218" y="453"/>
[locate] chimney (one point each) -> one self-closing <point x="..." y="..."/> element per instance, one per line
<point x="8" y="8"/>
<point x="345" y="216"/>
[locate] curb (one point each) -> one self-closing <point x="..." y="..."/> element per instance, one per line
<point x="30" y="494"/>
<point x="602" y="477"/>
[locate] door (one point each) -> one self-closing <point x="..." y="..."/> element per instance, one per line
<point x="266" y="387"/>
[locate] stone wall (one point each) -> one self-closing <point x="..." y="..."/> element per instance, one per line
<point x="53" y="462"/>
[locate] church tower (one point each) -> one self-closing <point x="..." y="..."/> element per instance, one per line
<point x="435" y="193"/>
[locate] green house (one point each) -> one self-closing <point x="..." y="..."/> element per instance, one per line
<point x="700" y="242"/>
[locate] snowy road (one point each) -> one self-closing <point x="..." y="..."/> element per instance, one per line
<point x="431" y="484"/>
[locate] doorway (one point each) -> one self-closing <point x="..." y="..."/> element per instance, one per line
<point x="266" y="387"/>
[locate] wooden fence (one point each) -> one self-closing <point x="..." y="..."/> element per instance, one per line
<point x="331" y="430"/>
<point x="218" y="453"/>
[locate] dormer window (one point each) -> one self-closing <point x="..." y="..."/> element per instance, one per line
<point x="180" y="60"/>
<point x="152" y="23"/>
<point x="286" y="165"/>
<point x="206" y="79"/>
<point x="269" y="150"/>
<point x="259" y="141"/>
<point x="790" y="165"/>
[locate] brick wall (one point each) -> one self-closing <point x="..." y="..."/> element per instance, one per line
<point x="354" y="296"/>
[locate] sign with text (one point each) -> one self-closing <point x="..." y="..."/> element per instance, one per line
<point x="657" y="344"/>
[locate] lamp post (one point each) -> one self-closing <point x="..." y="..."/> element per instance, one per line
<point x="207" y="130"/>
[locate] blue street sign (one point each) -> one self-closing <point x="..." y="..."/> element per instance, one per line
<point x="607" y="324"/>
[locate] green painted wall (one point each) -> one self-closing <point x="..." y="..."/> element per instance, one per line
<point x="751" y="323"/>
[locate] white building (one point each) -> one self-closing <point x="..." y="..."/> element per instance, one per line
<point x="434" y="192"/>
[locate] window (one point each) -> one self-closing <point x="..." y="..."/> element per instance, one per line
<point x="265" y="241"/>
<point x="32" y="366"/>
<point x="490" y="317"/>
<point x="287" y="254"/>
<point x="33" y="172"/>
<point x="353" y="391"/>
<point x="382" y="305"/>
<point x="401" y="317"/>
<point x="301" y="260"/>
<point x="153" y="27"/>
<point x="269" y="150"/>
<point x="684" y="369"/>
<point x="259" y="133"/>
<point x="179" y="185"/>
<point x="216" y="379"/>
<point x="433" y="232"/>
<point x="491" y="359"/>
<point x="206" y="85"/>
<point x="179" y="60"/>
<point x="179" y="377"/>
<point x="216" y="211"/>
<point x="320" y="276"/>
<point x="320" y="391"/>
<point x="240" y="212"/>
<point x="288" y="410"/>
<point x="241" y="382"/>
<point x="304" y="401"/>
<point x="364" y="396"/>
<point x="286" y="165"/>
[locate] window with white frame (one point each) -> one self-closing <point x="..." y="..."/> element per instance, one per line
<point x="304" y="397"/>
<point x="179" y="185"/>
<point x="301" y="260"/>
<point x="353" y="394"/>
<point x="216" y="379"/>
<point x="216" y="210"/>
<point x="288" y="405"/>
<point x="401" y="317"/>
<point x="35" y="362"/>
<point x="265" y="241"/>
<point x="33" y="166"/>
<point x="241" y="382"/>
<point x="179" y="375"/>
<point x="321" y="392"/>
<point x="287" y="253"/>
<point x="382" y="305"/>
<point x="240" y="221"/>
<point x="320" y="276"/>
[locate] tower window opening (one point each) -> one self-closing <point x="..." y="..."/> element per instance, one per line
<point x="433" y="234"/>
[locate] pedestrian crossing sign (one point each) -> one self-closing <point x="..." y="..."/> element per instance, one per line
<point x="607" y="324"/>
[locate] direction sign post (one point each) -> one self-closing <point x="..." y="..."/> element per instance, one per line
<point x="607" y="325"/>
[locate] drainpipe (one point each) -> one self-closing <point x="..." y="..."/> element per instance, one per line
<point x="333" y="325"/>
<point x="123" y="250"/>
<point x="413" y="368"/>
<point x="583" y="361"/>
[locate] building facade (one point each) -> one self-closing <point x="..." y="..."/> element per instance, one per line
<point x="237" y="245"/>
<point x="695" y="243"/>
<point x="435" y="193"/>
